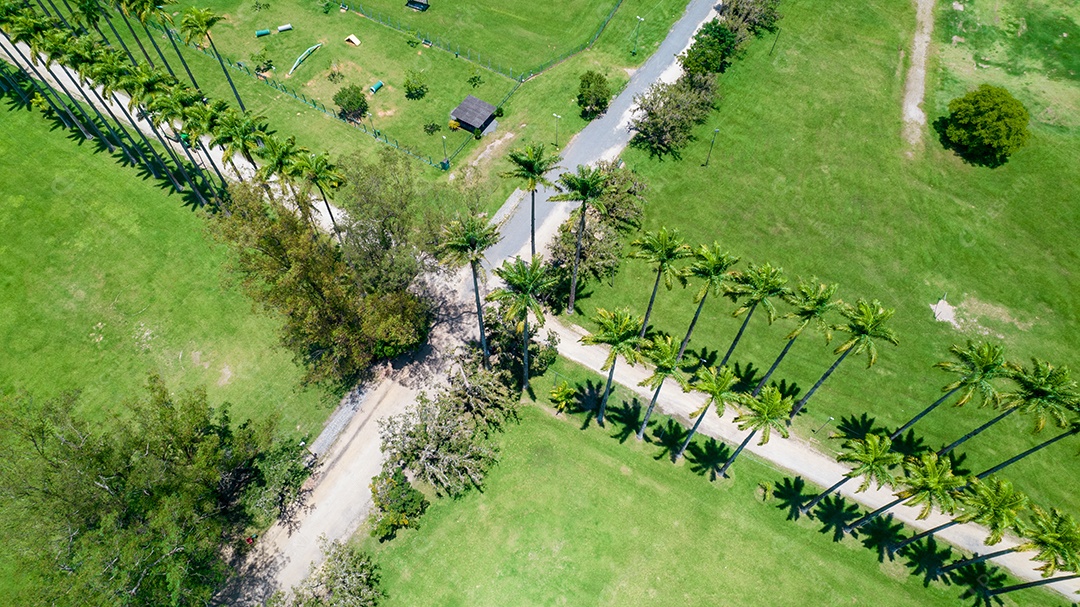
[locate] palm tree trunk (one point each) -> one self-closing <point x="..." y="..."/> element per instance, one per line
<point x="66" y="115"/>
<point x="13" y="83"/>
<point x="814" y="502"/>
<point x="183" y="62"/>
<point x="975" y="560"/>
<point x="525" y="352"/>
<point x="1034" y="584"/>
<point x="1016" y="458"/>
<point x="727" y="464"/>
<point x="607" y="392"/>
<point x="331" y="214"/>
<point x="532" y="229"/>
<point x="119" y="38"/>
<point x="136" y="37"/>
<point x="776" y="363"/>
<point x="686" y="443"/>
<point x="911" y="422"/>
<point x="157" y="49"/>
<point x="480" y="315"/>
<point x="873" y="515"/>
<point x="803" y="401"/>
<point x="37" y="87"/>
<point x="60" y="15"/>
<point x="101" y="117"/>
<point x="977" y="431"/>
<point x="648" y="310"/>
<point x="686" y="340"/>
<point x="915" y="538"/>
<point x="225" y="71"/>
<point x="87" y="122"/>
<point x="217" y="171"/>
<point x="577" y="260"/>
<point x="648" y="412"/>
<point x="738" y="336"/>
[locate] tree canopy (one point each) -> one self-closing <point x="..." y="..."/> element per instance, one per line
<point x="987" y="125"/>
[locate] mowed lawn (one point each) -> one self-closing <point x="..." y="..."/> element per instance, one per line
<point x="572" y="517"/>
<point x="809" y="172"/>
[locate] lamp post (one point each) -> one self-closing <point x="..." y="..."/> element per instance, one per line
<point x="445" y="158"/>
<point x="711" y="144"/>
<point x="637" y="26"/>
<point x="557" y="118"/>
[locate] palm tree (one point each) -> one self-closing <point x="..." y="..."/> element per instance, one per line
<point x="195" y="25"/>
<point x="874" y="460"/>
<point x="661" y="350"/>
<point x="994" y="504"/>
<point x="930" y="482"/>
<point x="143" y="11"/>
<point x="90" y="13"/>
<point x="765" y="413"/>
<point x="710" y="265"/>
<point x="464" y="241"/>
<point x="317" y="170"/>
<point x="813" y="302"/>
<point x="718" y="385"/>
<point x="531" y="165"/>
<point x="204" y="119"/>
<point x="757" y="286"/>
<point x="587" y="186"/>
<point x="1074" y="429"/>
<point x="280" y="157"/>
<point x="166" y="24"/>
<point x="525" y="284"/>
<point x="977" y="366"/>
<point x="619" y="330"/>
<point x="1053" y="535"/>
<point x="866" y="325"/>
<point x="663" y="248"/>
<point x="1042" y="391"/>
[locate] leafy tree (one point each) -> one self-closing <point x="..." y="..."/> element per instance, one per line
<point x="765" y="413"/>
<point x="756" y="287"/>
<point x="711" y="266"/>
<point x="398" y="505"/>
<point x="663" y="353"/>
<point x="619" y="331"/>
<point x="483" y="397"/>
<point x="623" y="198"/>
<point x="347" y="578"/>
<point x="751" y="17"/>
<point x="475" y="81"/>
<point x="587" y="185"/>
<point x="352" y="102"/>
<point x="525" y="285"/>
<point x="601" y="250"/>
<point x="464" y="241"/>
<point x="813" y="302"/>
<point x="987" y="125"/>
<point x="714" y="48"/>
<point x="874" y="460"/>
<point x="531" y="166"/>
<point x="594" y="94"/>
<point x="718" y="385"/>
<point x="662" y="248"/>
<point x="507" y="354"/>
<point x="415" y="87"/>
<point x="667" y="113"/>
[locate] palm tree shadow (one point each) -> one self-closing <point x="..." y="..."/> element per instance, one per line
<point x="880" y="535"/>
<point x="588" y="397"/>
<point x="747" y="377"/>
<point x="856" y="428"/>
<point x="978" y="581"/>
<point x="669" y="436"/>
<point x="909" y="445"/>
<point x="625" y="419"/>
<point x="835" y="513"/>
<point x="791" y="496"/>
<point x="707" y="457"/>
<point x="957" y="461"/>
<point x="700" y="359"/>
<point x="925" y="559"/>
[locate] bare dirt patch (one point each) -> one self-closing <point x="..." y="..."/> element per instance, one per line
<point x="226" y="376"/>
<point x="915" y="83"/>
<point x="969" y="315"/>
<point x="493" y="148"/>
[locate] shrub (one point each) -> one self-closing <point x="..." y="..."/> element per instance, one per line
<point x="415" y="88"/>
<point x="594" y="94"/>
<point x="987" y="125"/>
<point x="668" y="113"/>
<point x="477" y="133"/>
<point x="475" y="80"/>
<point x="499" y="112"/>
<point x="432" y="127"/>
<point x="352" y="102"/>
<point x="454" y="125"/>
<point x="563" y="397"/>
<point x="398" y="505"/>
<point x="715" y="46"/>
<point x="335" y="76"/>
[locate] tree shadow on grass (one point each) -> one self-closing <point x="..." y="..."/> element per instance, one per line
<point x="706" y="457"/>
<point x="968" y="155"/>
<point x="625" y="419"/>
<point x="835" y="513"/>
<point x="910" y="444"/>
<point x="925" y="558"/>
<point x="880" y="535"/>
<point x="856" y="428"/>
<point x="588" y="398"/>
<point x="669" y="436"/>
<point x="700" y="359"/>
<point x="792" y="495"/>
<point x="748" y="377"/>
<point x="979" y="581"/>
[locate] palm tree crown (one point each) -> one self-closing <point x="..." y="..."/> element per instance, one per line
<point x="718" y="386"/>
<point x="587" y="186"/>
<point x="1044" y="392"/>
<point x="874" y="460"/>
<point x="661" y="248"/>
<point x="977" y="366"/>
<point x="531" y="165"/>
<point x="866" y="326"/>
<point x="710" y="266"/>
<point x="464" y="242"/>
<point x="618" y="330"/>
<point x="930" y="482"/>
<point x="664" y="354"/>
<point x="524" y="285"/>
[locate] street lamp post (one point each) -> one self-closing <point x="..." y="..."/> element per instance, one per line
<point x="640" y="20"/>
<point x="711" y="144"/>
<point x="557" y="118"/>
<point x="445" y="158"/>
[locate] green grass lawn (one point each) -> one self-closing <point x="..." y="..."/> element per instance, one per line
<point x="809" y="172"/>
<point x="573" y="517"/>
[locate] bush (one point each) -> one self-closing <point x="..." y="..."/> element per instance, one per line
<point x="751" y="17"/>
<point x="398" y="505"/>
<point x="346" y="577"/>
<point x="454" y="125"/>
<point x="986" y="126"/>
<point x="477" y="133"/>
<point x="335" y="76"/>
<point x="475" y="80"/>
<point x="432" y="127"/>
<point x="504" y="341"/>
<point x="594" y="94"/>
<point x="715" y="46"/>
<point x="415" y="88"/>
<point x="352" y="102"/>
<point x="499" y="112"/>
<point x="668" y="112"/>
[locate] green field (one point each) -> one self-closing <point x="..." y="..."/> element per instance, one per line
<point x="573" y="517"/>
<point x="810" y="173"/>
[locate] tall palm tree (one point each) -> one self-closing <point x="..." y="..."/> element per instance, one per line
<point x="718" y="385"/>
<point x="166" y="24"/>
<point x="978" y="366"/>
<point x="995" y="504"/>
<point x="317" y="170"/>
<point x="195" y="25"/>
<point x="1043" y="391"/>
<point x="531" y="166"/>
<point x="765" y="413"/>
<point x="813" y="303"/>
<point x="710" y="266"/>
<point x="756" y="286"/>
<point x="619" y="331"/>
<point x="164" y="109"/>
<point x="143" y="85"/>
<point x="204" y="119"/>
<point x="587" y="186"/>
<point x="1052" y="534"/>
<point x="90" y="13"/>
<point x="662" y="248"/>
<point x="930" y="483"/>
<point x="664" y="354"/>
<point x="143" y="11"/>
<point x="525" y="284"/>
<point x="280" y="156"/>
<point x="874" y="461"/>
<point x="1073" y="430"/>
<point x="80" y="56"/>
<point x="866" y="326"/>
<point x="464" y="241"/>
<point x="50" y="96"/>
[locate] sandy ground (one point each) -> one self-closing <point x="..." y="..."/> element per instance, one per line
<point x="915" y="82"/>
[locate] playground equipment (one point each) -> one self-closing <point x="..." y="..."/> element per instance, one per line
<point x="375" y="87"/>
<point x="353" y="40"/>
<point x="261" y="33"/>
<point x="284" y="28"/>
<point x="301" y="58"/>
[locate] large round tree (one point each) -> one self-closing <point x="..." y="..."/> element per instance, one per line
<point x="987" y="125"/>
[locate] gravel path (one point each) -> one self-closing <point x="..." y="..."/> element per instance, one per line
<point x="915" y="82"/>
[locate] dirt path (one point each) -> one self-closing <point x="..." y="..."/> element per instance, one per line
<point x="915" y="82"/>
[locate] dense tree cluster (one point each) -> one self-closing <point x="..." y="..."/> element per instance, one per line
<point x="347" y="578"/>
